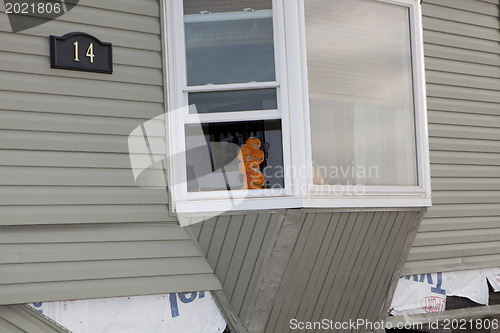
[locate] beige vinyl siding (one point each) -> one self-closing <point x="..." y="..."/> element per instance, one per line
<point x="236" y="248"/>
<point x="341" y="267"/>
<point x="73" y="224"/>
<point x="462" y="48"/>
<point x="306" y="265"/>
<point x="23" y="319"/>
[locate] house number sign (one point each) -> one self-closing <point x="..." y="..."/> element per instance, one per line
<point x="81" y="52"/>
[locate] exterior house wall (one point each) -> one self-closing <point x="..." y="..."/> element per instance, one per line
<point x="73" y="224"/>
<point x="462" y="56"/>
<point x="307" y="264"/>
<point x="342" y="266"/>
<point x="237" y="248"/>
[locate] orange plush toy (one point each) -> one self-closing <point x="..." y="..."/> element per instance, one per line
<point x="251" y="156"/>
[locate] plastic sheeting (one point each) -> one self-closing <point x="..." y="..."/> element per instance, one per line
<point x="427" y="292"/>
<point x="182" y="312"/>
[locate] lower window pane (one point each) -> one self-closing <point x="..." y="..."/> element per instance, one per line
<point x="234" y="156"/>
<point x="361" y="93"/>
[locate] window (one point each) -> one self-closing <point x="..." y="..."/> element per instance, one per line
<point x="278" y="103"/>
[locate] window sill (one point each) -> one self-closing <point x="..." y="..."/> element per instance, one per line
<point x="215" y="207"/>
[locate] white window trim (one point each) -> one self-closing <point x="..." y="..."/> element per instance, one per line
<point x="291" y="80"/>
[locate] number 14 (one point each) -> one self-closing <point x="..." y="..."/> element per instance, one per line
<point x="90" y="52"/>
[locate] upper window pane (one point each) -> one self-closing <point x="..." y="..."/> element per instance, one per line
<point x="361" y="93"/>
<point x="229" y="41"/>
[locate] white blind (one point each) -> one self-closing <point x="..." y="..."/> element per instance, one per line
<point x="361" y="93"/>
<point x="357" y="47"/>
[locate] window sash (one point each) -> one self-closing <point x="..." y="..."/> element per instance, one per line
<point x="178" y="100"/>
<point x="298" y="81"/>
<point x="291" y="83"/>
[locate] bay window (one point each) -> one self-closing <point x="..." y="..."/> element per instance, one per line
<point x="361" y="92"/>
<point x="295" y="103"/>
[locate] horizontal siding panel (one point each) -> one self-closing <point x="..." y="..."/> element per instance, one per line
<point x="38" y="45"/>
<point x="137" y="57"/>
<point x="464" y="171"/>
<point x="466" y="197"/>
<point x="42" y="176"/>
<point x="63" y="252"/>
<point x="65" y="195"/>
<point x="459" y="223"/>
<point x="453" y="66"/>
<point x="36" y="121"/>
<point x="38" y="102"/>
<point x="458" y="237"/>
<point x="464" y="158"/>
<point x="461" y="80"/>
<point x="37" y="64"/>
<point x="458" y="28"/>
<point x="431" y="266"/>
<point x="26" y="158"/>
<point x="451" y="264"/>
<point x="454" y="144"/>
<point x="464" y="132"/>
<point x="452" y="53"/>
<point x="79" y="87"/>
<point x="454" y="250"/>
<point x="74" y="233"/>
<point x="478" y="7"/>
<point x="144" y="7"/>
<point x="463" y="119"/>
<point x="122" y="38"/>
<point x="463" y="93"/>
<point x="472" y="107"/>
<point x="85" y="289"/>
<point x="461" y="210"/>
<point x="69" y="142"/>
<point x="77" y="214"/>
<point x="112" y="18"/>
<point x="462" y="42"/>
<point x="108" y="269"/>
<point x="464" y="184"/>
<point x="462" y="16"/>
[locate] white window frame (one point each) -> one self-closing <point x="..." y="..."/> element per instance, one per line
<point x="292" y="93"/>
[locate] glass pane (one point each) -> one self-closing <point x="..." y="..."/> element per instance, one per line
<point x="234" y="155"/>
<point x="229" y="41"/>
<point x="227" y="101"/>
<point x="361" y="93"/>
